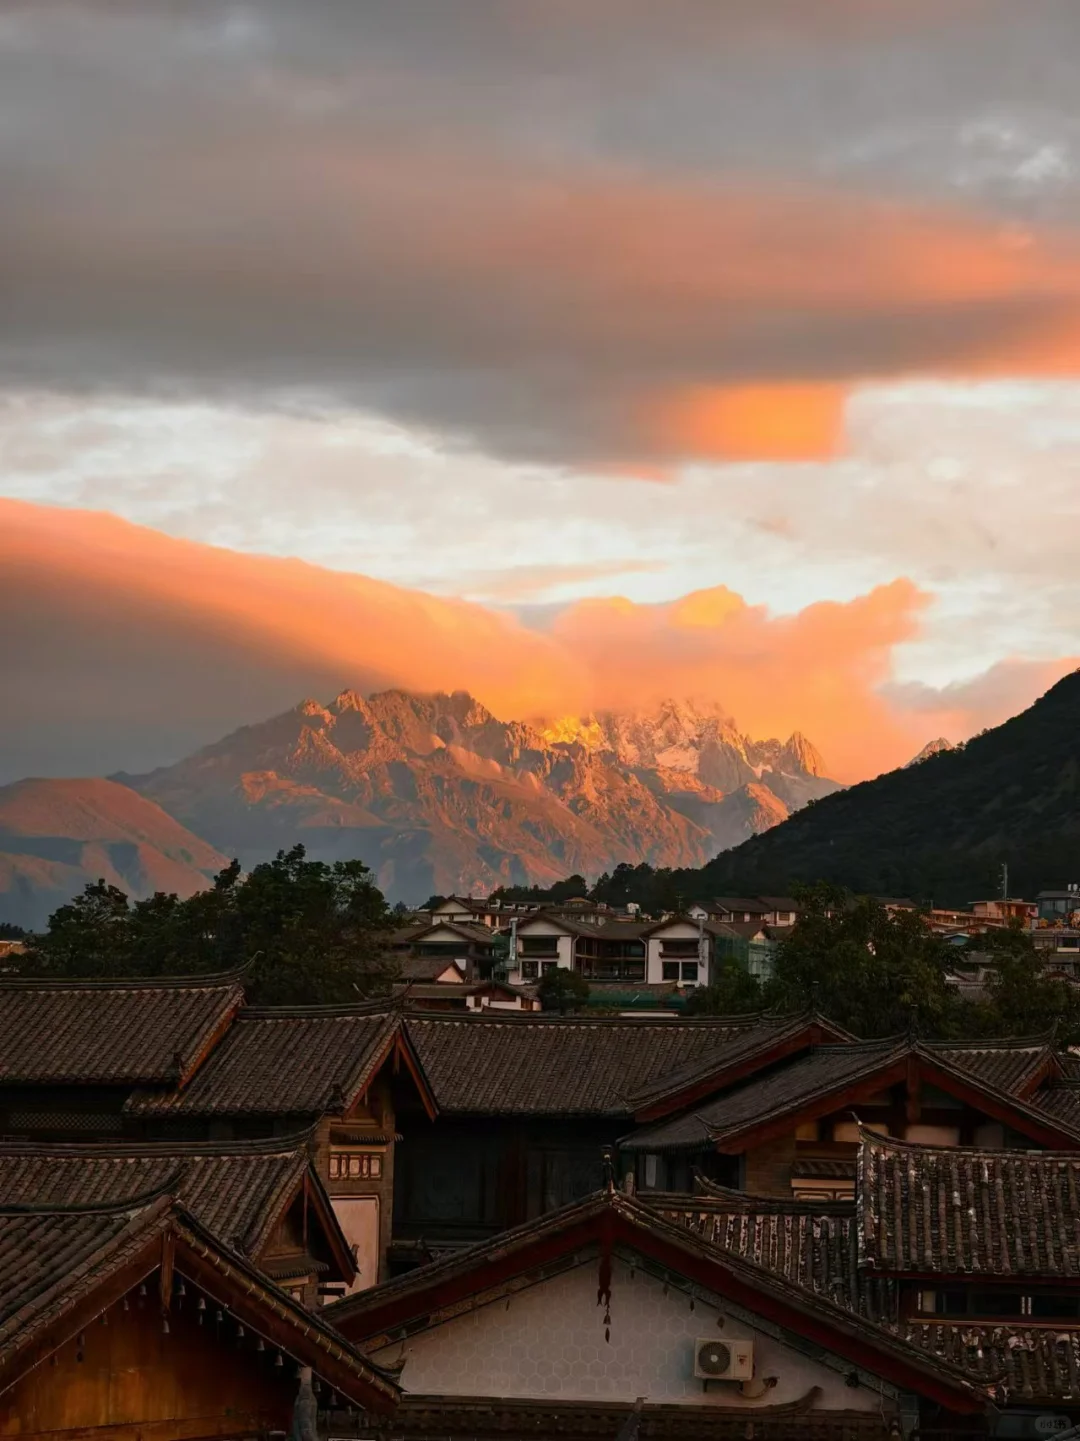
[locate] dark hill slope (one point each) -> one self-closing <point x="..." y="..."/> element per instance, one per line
<point x="939" y="829"/>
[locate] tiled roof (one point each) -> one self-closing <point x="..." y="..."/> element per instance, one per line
<point x="41" y="1252"/>
<point x="766" y="1033"/>
<point x="824" y="1069"/>
<point x="952" y="1211"/>
<point x="236" y="1189"/>
<point x="1062" y="1101"/>
<point x="109" y="1033"/>
<point x="814" y="1245"/>
<point x="425" y="968"/>
<point x="751" y="904"/>
<point x="1005" y="1065"/>
<point x="301" y="1062"/>
<point x="53" y="1257"/>
<point x="831" y="1068"/>
<point x="555" y="1065"/>
<point x="1021" y="1364"/>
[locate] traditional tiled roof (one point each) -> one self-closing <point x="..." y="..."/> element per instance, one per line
<point x="1016" y="1363"/>
<point x="555" y="1065"/>
<point x="133" y="1032"/>
<point x="53" y="1258"/>
<point x="1060" y="1099"/>
<point x="751" y="904"/>
<point x="1008" y="1065"/>
<point x="41" y="1250"/>
<point x="733" y="1053"/>
<point x="237" y="1189"/>
<point x="812" y="1244"/>
<point x="824" y="1069"/>
<point x="431" y="1293"/>
<point x="954" y="1211"/>
<point x="425" y="968"/>
<point x="301" y="1061"/>
<point x="827" y="1069"/>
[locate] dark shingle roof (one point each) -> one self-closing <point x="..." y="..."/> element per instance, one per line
<point x="52" y="1257"/>
<point x="302" y="1062"/>
<point x="767" y="1032"/>
<point x="554" y="1065"/>
<point x="952" y="1211"/>
<point x="1005" y="1065"/>
<point x="820" y="1071"/>
<point x="1062" y="1101"/>
<point x="44" y="1251"/>
<point x="830" y="1068"/>
<point x="105" y="1032"/>
<point x="236" y="1189"/>
<point x="1028" y="1363"/>
<point x="426" y="968"/>
<point x="814" y="1245"/>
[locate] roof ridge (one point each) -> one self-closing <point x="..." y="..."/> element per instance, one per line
<point x="874" y="1138"/>
<point x="195" y="981"/>
<point x="137" y="1202"/>
<point x="548" y="1018"/>
<point x="379" y="1006"/>
<point x="183" y="1150"/>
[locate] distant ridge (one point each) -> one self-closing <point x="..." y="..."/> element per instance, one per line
<point x="940" y="829"/>
<point x="56" y="835"/>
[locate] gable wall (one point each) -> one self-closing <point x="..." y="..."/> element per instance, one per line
<point x="548" y="1342"/>
<point x="133" y="1374"/>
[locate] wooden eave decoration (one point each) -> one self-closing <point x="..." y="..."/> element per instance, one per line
<point x="166" y="1240"/>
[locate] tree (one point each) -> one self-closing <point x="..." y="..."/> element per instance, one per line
<point x="563" y="990"/>
<point x="9" y="932"/>
<point x="733" y="991"/>
<point x="872" y="973"/>
<point x="1021" y="998"/>
<point x="311" y="932"/>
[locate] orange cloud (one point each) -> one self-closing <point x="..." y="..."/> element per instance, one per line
<point x="753" y="422"/>
<point x="128" y="648"/>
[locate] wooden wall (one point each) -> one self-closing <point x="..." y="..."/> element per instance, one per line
<point x="132" y="1382"/>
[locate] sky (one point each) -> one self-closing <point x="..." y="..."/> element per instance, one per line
<point x="573" y="354"/>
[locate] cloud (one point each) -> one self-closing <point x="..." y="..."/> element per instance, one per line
<point x="474" y="227"/>
<point x="129" y="648"/>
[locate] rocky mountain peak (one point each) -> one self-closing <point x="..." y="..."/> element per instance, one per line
<point x="931" y="748"/>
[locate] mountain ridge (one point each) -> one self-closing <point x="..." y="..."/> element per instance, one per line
<point x="56" y="835"/>
<point x="938" y="830"/>
<point x="435" y="793"/>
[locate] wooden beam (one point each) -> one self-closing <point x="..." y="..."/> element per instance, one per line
<point x="165" y="1278"/>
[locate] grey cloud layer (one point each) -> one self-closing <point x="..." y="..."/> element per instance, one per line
<point x="516" y="223"/>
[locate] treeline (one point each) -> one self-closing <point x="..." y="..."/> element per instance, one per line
<point x="877" y="974"/>
<point x="308" y="932"/>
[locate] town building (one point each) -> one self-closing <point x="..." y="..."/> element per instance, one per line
<point x="917" y="1307"/>
<point x="132" y="1318"/>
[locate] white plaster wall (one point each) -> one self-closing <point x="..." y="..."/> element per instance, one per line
<point x="358" y="1217"/>
<point x="548" y="1342"/>
<point x="679" y="931"/>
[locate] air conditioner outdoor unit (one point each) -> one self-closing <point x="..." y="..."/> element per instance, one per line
<point x="725" y="1360"/>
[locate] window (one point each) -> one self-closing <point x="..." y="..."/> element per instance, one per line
<point x="538" y="945"/>
<point x="355" y="1165"/>
<point x="530" y="970"/>
<point x="690" y="971"/>
<point x="670" y="970"/>
<point x="546" y="966"/>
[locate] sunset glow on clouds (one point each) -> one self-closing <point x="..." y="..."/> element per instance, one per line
<point x="723" y="349"/>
